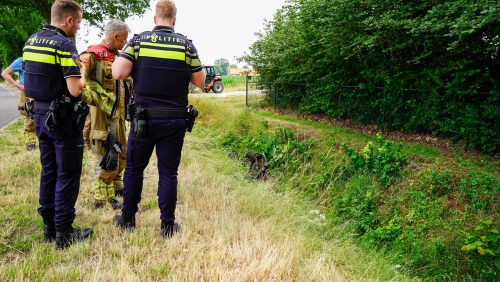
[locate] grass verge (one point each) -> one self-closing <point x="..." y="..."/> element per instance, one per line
<point x="233" y="228"/>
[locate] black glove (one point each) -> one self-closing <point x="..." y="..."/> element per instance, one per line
<point x="109" y="160"/>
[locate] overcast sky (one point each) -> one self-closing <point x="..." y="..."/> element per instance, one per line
<point x="218" y="28"/>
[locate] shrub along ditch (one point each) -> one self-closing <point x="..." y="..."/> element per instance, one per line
<point x="437" y="219"/>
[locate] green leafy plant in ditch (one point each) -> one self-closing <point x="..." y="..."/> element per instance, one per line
<point x="382" y="158"/>
<point x="482" y="250"/>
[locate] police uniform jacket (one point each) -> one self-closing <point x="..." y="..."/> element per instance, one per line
<point x="49" y="57"/>
<point x="163" y="64"/>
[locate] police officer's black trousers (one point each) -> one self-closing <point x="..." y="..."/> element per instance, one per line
<point x="61" y="154"/>
<point x="168" y="137"/>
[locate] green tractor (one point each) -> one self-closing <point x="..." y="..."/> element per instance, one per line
<point x="213" y="81"/>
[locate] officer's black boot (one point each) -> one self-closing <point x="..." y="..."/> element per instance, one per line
<point x="67" y="235"/>
<point x="124" y="221"/>
<point x="49" y="230"/>
<point x="169" y="229"/>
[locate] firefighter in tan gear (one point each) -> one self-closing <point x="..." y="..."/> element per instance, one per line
<point x="29" y="124"/>
<point x="108" y="98"/>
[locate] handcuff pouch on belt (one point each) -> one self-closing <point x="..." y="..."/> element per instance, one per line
<point x="63" y="108"/>
<point x="109" y="160"/>
<point x="80" y="113"/>
<point x="191" y="115"/>
<point x="130" y="110"/>
<point x="139" y="121"/>
<point x="52" y="117"/>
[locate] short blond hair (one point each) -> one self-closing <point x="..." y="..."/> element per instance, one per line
<point x="64" y="8"/>
<point x="165" y="9"/>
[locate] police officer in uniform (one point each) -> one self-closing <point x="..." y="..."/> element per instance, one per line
<point x="54" y="81"/>
<point x="107" y="130"/>
<point x="162" y="63"/>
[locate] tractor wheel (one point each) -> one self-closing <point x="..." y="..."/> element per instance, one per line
<point x="218" y="87"/>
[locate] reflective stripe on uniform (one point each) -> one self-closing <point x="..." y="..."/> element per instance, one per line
<point x="162" y="54"/>
<point x="129" y="52"/>
<point x="146" y="51"/>
<point x="39" y="48"/>
<point x="64" y="53"/>
<point x="39" y="57"/>
<point x="192" y="60"/>
<point x="67" y="62"/>
<point x="163" y="45"/>
<point x="93" y="93"/>
<point x="193" y="63"/>
<point x="59" y="52"/>
<point x="32" y="53"/>
<point x="103" y="191"/>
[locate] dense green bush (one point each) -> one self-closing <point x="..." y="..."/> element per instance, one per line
<point x="360" y="204"/>
<point x="416" y="66"/>
<point x="383" y="158"/>
<point x="483" y="250"/>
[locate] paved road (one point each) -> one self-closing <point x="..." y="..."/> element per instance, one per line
<point x="8" y="106"/>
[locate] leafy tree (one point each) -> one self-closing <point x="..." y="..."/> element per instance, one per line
<point x="94" y="11"/>
<point x="14" y="32"/>
<point x="415" y="66"/>
<point x="222" y="66"/>
<point x="20" y="18"/>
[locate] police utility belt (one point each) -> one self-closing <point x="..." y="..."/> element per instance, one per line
<point x="139" y="115"/>
<point x="59" y="109"/>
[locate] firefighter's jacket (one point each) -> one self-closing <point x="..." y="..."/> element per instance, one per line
<point x="109" y="96"/>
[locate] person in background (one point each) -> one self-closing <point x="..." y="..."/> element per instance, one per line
<point x="29" y="125"/>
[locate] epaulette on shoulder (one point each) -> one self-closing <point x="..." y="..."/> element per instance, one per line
<point x="185" y="37"/>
